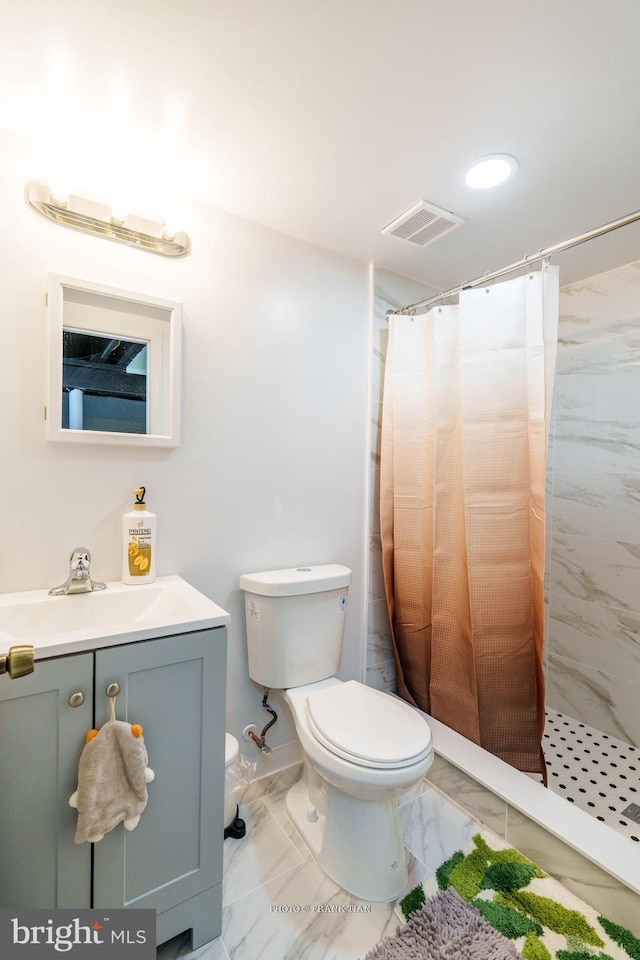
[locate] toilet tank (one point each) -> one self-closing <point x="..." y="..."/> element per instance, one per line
<point x="295" y="623"/>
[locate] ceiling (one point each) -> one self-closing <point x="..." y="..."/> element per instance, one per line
<point x="327" y="119"/>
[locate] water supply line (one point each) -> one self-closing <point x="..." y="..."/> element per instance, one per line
<point x="260" y="740"/>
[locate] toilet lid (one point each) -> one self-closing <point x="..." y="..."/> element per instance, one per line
<point x="367" y="726"/>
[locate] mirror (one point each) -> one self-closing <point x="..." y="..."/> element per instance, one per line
<point x="114" y="363"/>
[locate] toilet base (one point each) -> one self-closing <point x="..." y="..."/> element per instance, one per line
<point x="358" y="844"/>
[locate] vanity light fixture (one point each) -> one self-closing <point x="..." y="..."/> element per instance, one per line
<point x="71" y="210"/>
<point x="490" y="171"/>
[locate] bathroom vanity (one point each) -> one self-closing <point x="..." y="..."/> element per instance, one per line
<point x="168" y="656"/>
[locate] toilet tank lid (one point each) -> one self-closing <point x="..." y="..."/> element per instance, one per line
<point x="296" y="580"/>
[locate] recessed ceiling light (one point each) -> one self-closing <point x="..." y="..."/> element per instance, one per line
<point x="490" y="171"/>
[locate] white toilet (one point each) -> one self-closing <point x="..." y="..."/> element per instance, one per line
<point x="362" y="747"/>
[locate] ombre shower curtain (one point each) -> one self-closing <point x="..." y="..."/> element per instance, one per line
<point x="465" y="423"/>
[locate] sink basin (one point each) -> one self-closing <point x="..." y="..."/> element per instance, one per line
<point x="119" y="614"/>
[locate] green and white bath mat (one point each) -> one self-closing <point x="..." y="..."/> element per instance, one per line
<point x="527" y="908"/>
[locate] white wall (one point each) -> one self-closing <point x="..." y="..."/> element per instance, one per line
<point x="271" y="469"/>
<point x="593" y="641"/>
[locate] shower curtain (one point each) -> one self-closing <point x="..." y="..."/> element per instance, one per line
<point x="465" y="422"/>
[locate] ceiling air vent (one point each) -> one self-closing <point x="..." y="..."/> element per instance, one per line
<point x="423" y="224"/>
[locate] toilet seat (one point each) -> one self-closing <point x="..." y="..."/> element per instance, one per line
<point x="368" y="727"/>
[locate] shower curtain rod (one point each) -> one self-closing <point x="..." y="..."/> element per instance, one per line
<point x="525" y="262"/>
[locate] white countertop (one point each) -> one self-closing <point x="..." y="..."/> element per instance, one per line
<point x="57" y="626"/>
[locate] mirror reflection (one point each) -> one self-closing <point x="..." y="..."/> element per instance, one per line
<point x="104" y="383"/>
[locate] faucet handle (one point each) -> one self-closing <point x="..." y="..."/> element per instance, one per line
<point x="80" y="558"/>
<point x="79" y="579"/>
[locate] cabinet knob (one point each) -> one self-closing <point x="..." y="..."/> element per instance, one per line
<point x="112" y="689"/>
<point x="76" y="699"/>
<point x="18" y="662"/>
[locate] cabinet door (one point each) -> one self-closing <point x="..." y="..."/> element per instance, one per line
<point x="175" y="688"/>
<point x="42" y="738"/>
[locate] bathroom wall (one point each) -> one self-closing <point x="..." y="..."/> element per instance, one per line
<point x="593" y="670"/>
<point x="272" y="467"/>
<point x="391" y="292"/>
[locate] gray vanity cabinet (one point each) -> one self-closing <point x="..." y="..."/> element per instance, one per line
<point x="41" y="737"/>
<point x="174" y="687"/>
<point x="172" y="861"/>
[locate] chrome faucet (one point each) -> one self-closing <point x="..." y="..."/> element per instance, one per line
<point x="79" y="579"/>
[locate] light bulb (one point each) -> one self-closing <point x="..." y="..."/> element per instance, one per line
<point x="490" y="171"/>
<point x="169" y="231"/>
<point x="59" y="194"/>
<point x="118" y="215"/>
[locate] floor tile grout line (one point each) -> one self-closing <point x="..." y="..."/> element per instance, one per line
<point x="276" y="876"/>
<point x="285" y="834"/>
<point x="428" y="786"/>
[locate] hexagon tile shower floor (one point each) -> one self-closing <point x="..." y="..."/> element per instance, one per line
<point x="594" y="770"/>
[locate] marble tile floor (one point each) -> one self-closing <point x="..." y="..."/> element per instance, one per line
<point x="279" y="905"/>
<point x="595" y="771"/>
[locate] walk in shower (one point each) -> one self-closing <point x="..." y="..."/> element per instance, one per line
<point x="592" y="658"/>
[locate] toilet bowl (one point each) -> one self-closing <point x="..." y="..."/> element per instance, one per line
<point x="362" y="747"/>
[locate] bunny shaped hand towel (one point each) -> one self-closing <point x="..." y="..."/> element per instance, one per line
<point x="112" y="780"/>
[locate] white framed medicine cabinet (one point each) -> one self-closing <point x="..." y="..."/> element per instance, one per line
<point x="113" y="365"/>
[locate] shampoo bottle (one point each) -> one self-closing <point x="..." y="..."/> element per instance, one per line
<point x="139" y="543"/>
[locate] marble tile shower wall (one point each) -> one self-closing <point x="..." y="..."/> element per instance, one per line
<point x="593" y="506"/>
<point x="593" y="669"/>
<point x="391" y="292"/>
